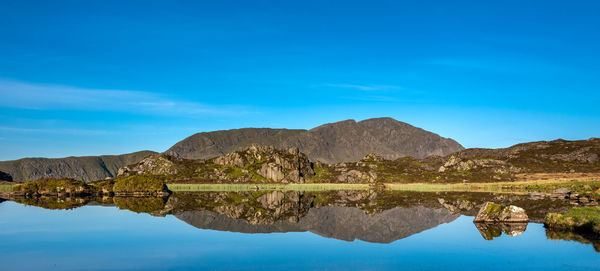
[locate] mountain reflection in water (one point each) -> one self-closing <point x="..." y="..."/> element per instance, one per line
<point x="369" y="215"/>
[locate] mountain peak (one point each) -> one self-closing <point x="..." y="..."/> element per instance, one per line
<point x="341" y="141"/>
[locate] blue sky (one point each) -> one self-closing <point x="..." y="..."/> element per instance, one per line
<point x="110" y="77"/>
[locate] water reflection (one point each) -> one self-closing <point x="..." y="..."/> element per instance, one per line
<point x="489" y="231"/>
<point x="371" y="216"/>
<point x="573" y="236"/>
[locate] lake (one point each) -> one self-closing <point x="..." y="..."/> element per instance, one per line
<point x="274" y="230"/>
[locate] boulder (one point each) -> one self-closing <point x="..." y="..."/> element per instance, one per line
<point x="536" y="195"/>
<point x="561" y="193"/>
<point x="491" y="212"/>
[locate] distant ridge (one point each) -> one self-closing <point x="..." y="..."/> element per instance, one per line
<point x="342" y="141"/>
<point x="86" y="168"/>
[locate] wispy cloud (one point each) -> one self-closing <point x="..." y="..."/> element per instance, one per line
<point x="364" y="87"/>
<point x="24" y="95"/>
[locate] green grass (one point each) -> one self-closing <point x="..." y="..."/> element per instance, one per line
<point x="578" y="219"/>
<point x="6" y="187"/>
<point x="445" y="187"/>
<point x="580" y="187"/>
<point x="139" y="183"/>
<point x="250" y="187"/>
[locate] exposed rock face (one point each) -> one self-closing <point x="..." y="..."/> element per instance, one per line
<point x="491" y="212"/>
<point x="88" y="168"/>
<point x="156" y="164"/>
<point x="281" y="166"/>
<point x="331" y="143"/>
<point x="459" y="164"/>
<point x="5" y="177"/>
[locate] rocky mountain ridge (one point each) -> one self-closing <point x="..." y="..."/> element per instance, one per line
<point x="86" y="168"/>
<point x="342" y="141"/>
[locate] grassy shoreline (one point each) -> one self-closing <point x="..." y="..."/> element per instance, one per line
<point x="6" y="188"/>
<point x="546" y="186"/>
<point x="582" y="186"/>
<point x="250" y="187"/>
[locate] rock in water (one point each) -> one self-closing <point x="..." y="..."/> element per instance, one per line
<point x="491" y="212"/>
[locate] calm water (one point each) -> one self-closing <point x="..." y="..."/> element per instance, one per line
<point x="327" y="237"/>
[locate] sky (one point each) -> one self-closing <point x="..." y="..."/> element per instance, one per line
<point x="110" y="77"/>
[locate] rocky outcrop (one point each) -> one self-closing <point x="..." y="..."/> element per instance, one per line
<point x="88" y="168"/>
<point x="342" y="141"/>
<point x="289" y="166"/>
<point x="491" y="212"/>
<point x="54" y="188"/>
<point x="458" y="164"/>
<point x="542" y="156"/>
<point x="156" y="164"/>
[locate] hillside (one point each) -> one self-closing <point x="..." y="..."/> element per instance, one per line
<point x="342" y="141"/>
<point x="270" y="165"/>
<point x="86" y="168"/>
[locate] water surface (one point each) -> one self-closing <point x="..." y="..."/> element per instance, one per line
<point x="343" y="234"/>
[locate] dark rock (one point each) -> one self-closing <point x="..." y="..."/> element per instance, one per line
<point x="5" y="177"/>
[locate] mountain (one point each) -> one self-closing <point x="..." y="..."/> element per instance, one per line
<point x="86" y="168"/>
<point x="342" y="141"/>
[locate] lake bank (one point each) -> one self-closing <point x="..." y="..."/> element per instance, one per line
<point x="545" y="183"/>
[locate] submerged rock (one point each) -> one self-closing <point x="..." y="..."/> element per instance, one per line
<point x="491" y="212"/>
